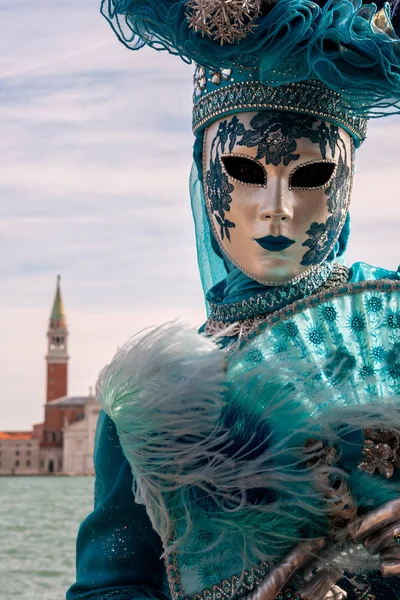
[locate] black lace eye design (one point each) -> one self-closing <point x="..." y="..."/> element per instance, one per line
<point x="312" y="176"/>
<point x="244" y="169"/>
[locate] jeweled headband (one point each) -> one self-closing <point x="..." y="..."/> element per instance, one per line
<point x="228" y="91"/>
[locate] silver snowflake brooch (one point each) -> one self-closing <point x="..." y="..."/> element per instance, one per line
<point x="225" y="20"/>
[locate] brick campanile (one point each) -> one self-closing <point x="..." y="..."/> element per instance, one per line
<point x="57" y="352"/>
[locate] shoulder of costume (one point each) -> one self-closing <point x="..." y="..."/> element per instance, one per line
<point x="361" y="271"/>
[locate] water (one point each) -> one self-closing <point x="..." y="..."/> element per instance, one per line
<point x="39" y="518"/>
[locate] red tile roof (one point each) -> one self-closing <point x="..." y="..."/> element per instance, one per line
<point x="15" y="435"/>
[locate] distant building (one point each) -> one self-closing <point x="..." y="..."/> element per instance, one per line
<point x="19" y="453"/>
<point x="79" y="437"/>
<point x="64" y="442"/>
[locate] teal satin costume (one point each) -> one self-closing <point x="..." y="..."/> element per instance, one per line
<point x="118" y="552"/>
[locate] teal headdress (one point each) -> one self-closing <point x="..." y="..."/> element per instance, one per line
<point x="336" y="60"/>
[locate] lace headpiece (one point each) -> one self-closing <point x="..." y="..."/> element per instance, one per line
<point x="338" y="60"/>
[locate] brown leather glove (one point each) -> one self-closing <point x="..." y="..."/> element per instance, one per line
<point x="321" y="586"/>
<point x="379" y="532"/>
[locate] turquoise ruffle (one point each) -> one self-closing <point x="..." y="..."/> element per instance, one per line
<point x="341" y="44"/>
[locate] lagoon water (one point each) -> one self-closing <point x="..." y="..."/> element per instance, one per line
<point x="39" y="518"/>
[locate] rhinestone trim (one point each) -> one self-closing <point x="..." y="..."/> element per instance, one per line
<point x="229" y="589"/>
<point x="304" y="97"/>
<point x="381" y="453"/>
<point x="313" y="162"/>
<point x="242" y="155"/>
<point x="248" y="327"/>
<point x="277" y="297"/>
<point x="174" y="578"/>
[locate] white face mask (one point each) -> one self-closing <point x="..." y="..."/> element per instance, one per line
<point x="277" y="188"/>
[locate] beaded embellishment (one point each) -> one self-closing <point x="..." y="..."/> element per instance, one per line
<point x="313" y="162"/>
<point x="277" y="297"/>
<point x="247" y="327"/>
<point x="381" y="452"/>
<point x="246" y="157"/>
<point x="303" y="97"/>
<point x="233" y="588"/>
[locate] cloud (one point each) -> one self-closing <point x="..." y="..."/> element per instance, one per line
<point x="96" y="152"/>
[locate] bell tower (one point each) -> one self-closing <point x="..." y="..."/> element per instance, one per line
<point x="57" y="353"/>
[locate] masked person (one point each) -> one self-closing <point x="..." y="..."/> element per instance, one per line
<point x="260" y="457"/>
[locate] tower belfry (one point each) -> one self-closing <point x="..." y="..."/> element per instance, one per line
<point x="57" y="350"/>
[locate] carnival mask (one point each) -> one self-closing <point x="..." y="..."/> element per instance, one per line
<point x="277" y="188"/>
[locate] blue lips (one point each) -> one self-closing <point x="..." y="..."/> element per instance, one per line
<point x="275" y="244"/>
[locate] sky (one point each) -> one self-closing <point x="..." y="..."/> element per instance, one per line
<point x="95" y="147"/>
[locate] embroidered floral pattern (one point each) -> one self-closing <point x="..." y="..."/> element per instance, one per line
<point x="219" y="190"/>
<point x="375" y="304"/>
<point x="324" y="135"/>
<point x="276" y="140"/>
<point x="276" y="137"/>
<point x="329" y="313"/>
<point x="230" y="131"/>
<point x="393" y="321"/>
<point x="322" y="235"/>
<point x="255" y="357"/>
<point x="366" y="371"/>
<point x="378" y="354"/>
<point x="316" y="336"/>
<point x="292" y="329"/>
<point x="357" y="322"/>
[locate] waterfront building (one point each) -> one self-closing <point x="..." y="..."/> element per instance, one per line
<point x="19" y="453"/>
<point x="64" y="442"/>
<point x="79" y="436"/>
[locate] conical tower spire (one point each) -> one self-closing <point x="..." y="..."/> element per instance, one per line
<point x="57" y="318"/>
<point x="57" y="349"/>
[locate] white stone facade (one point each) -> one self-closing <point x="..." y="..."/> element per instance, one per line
<point x="21" y="454"/>
<point x="50" y="461"/>
<point x="78" y="443"/>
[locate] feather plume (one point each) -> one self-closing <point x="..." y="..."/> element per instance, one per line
<point x="225" y="445"/>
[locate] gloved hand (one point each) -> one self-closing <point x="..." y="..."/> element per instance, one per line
<point x="321" y="586"/>
<point x="379" y="532"/>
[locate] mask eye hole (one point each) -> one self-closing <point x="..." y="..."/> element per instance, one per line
<point x="244" y="169"/>
<point x="312" y="175"/>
